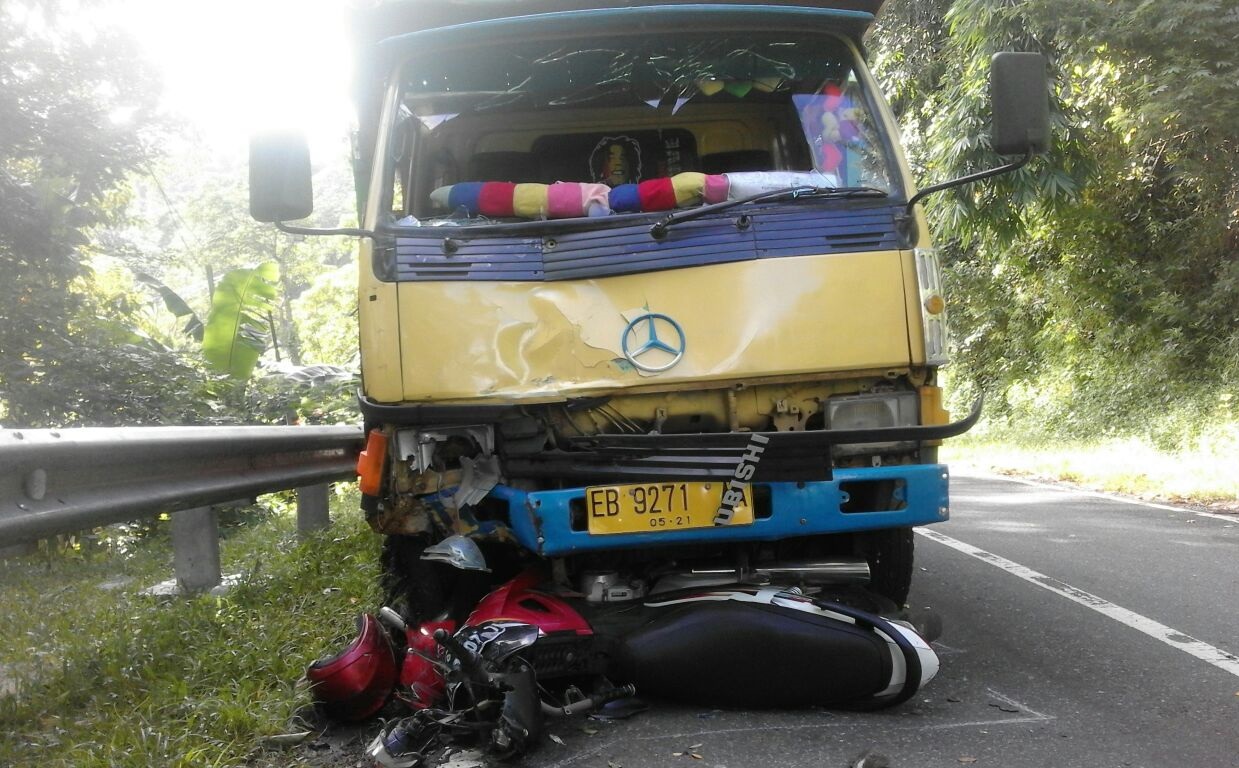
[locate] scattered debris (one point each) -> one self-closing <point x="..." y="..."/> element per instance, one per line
<point x="172" y="587"/>
<point x="468" y="758"/>
<point x="556" y="739"/>
<point x="112" y="585"/>
<point x="870" y="759"/>
<point x="967" y="759"/>
<point x="287" y="739"/>
<point x="622" y="709"/>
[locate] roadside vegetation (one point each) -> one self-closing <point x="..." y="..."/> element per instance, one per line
<point x="1094" y="294"/>
<point x="95" y="673"/>
<point x="1202" y="475"/>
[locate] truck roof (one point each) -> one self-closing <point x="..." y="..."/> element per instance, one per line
<point x="390" y="18"/>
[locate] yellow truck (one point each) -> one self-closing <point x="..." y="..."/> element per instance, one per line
<point x="645" y="292"/>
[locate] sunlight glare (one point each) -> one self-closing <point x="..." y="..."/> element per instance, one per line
<point x="231" y="68"/>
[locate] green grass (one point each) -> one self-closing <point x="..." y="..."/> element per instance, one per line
<point x="1205" y="471"/>
<point x="115" y="678"/>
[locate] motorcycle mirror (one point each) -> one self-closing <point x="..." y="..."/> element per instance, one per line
<point x="457" y="551"/>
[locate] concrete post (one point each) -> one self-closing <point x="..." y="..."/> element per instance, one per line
<point x="313" y="511"/>
<point x="19" y="550"/>
<point x="195" y="549"/>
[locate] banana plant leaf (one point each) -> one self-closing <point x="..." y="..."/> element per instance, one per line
<point x="237" y="332"/>
<point x="175" y="304"/>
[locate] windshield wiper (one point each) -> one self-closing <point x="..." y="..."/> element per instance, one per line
<point x="659" y="230"/>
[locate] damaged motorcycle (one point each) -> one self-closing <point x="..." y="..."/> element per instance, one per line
<point x="490" y="682"/>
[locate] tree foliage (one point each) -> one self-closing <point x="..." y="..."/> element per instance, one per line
<point x="84" y="187"/>
<point x="76" y="117"/>
<point x="1097" y="289"/>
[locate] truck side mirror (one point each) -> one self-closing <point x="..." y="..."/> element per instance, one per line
<point x="1019" y="97"/>
<point x="280" y="184"/>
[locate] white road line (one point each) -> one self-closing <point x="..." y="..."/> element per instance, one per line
<point x="984" y="475"/>
<point x="1219" y="658"/>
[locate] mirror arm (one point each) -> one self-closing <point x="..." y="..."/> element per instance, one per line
<point x="292" y="229"/>
<point x="932" y="188"/>
<point x="906" y="222"/>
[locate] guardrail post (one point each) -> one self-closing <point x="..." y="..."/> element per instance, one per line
<point x="313" y="511"/>
<point x="19" y="550"/>
<point x="195" y="549"/>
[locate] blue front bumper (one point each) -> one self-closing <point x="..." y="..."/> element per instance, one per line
<point x="542" y="520"/>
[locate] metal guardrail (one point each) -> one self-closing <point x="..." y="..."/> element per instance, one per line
<point x="61" y="481"/>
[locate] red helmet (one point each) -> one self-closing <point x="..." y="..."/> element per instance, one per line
<point x="354" y="683"/>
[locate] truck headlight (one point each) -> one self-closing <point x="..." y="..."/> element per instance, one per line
<point x="933" y="307"/>
<point x="883" y="409"/>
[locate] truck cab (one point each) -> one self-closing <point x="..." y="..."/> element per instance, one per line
<point x="642" y="297"/>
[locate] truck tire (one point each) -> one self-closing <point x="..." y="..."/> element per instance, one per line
<point x="889" y="553"/>
<point x="421" y="591"/>
<point x="410" y="585"/>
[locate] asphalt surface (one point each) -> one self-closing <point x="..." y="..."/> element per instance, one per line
<point x="1098" y="636"/>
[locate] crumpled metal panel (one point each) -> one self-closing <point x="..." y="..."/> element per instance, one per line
<point x="507" y="341"/>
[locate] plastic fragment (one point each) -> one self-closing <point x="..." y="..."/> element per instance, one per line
<point x="287" y="739"/>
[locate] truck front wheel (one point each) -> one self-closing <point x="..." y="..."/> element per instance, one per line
<point x="424" y="591"/>
<point x="410" y="585"/>
<point x="889" y="553"/>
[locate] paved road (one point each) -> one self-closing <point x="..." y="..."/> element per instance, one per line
<point x="1078" y="631"/>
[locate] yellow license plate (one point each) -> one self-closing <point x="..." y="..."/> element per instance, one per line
<point x="653" y="507"/>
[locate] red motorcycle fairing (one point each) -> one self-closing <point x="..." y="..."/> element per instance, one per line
<point x="517" y="601"/>
<point x="421" y="682"/>
<point x="355" y="683"/>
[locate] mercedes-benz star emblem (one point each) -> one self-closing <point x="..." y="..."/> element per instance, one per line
<point x="642" y="333"/>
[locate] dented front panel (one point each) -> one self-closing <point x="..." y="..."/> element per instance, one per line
<point x="531" y="341"/>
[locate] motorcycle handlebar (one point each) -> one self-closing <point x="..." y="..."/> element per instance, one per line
<point x="470" y="662"/>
